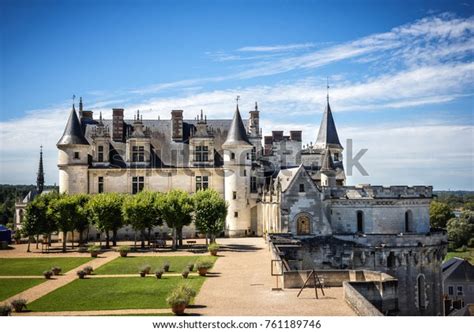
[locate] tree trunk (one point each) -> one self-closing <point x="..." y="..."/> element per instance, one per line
<point x="72" y="239"/>
<point x="142" y="236"/>
<point x="180" y="236"/>
<point x="207" y="238"/>
<point x="174" y="239"/>
<point x="37" y="241"/>
<point x="135" y="244"/>
<point x="107" y="240"/>
<point x="149" y="236"/>
<point x="80" y="237"/>
<point x="114" y="238"/>
<point x="29" y="242"/>
<point x="64" y="240"/>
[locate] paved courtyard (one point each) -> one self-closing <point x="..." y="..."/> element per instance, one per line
<point x="240" y="284"/>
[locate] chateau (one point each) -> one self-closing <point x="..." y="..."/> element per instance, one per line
<point x="295" y="195"/>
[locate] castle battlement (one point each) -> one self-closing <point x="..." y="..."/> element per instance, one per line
<point x="374" y="192"/>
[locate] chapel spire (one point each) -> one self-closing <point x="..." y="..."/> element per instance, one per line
<point x="40" y="174"/>
<point x="327" y="136"/>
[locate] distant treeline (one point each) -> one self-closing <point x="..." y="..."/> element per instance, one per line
<point x="456" y="199"/>
<point x="9" y="194"/>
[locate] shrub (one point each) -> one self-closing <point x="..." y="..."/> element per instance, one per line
<point x="145" y="269"/>
<point x="190" y="266"/>
<point x="56" y="270"/>
<point x="203" y="263"/>
<point x="184" y="287"/>
<point x="48" y="274"/>
<point x="177" y="297"/>
<point x="159" y="273"/>
<point x="5" y="310"/>
<point x="166" y="266"/>
<point x="81" y="274"/>
<point x="19" y="304"/>
<point x="470" y="243"/>
<point x="185" y="273"/>
<point x="124" y="250"/>
<point x="93" y="248"/>
<point x="213" y="247"/>
<point x="88" y="269"/>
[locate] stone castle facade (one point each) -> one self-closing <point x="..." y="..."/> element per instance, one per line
<point x="278" y="187"/>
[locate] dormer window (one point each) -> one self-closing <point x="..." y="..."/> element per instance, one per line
<point x="336" y="156"/>
<point x="138" y="153"/>
<point x="201" y="153"/>
<point x="232" y="156"/>
<point x="301" y="187"/>
<point x="100" y="153"/>
<point x="76" y="155"/>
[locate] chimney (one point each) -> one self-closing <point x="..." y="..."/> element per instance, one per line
<point x="117" y="124"/>
<point x="268" y="141"/>
<point x="177" y="125"/>
<point x="277" y="135"/>
<point x="295" y="135"/>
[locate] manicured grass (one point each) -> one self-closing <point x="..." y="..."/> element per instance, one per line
<point x="132" y="264"/>
<point x="10" y="287"/>
<point x="36" y="266"/>
<point x="112" y="293"/>
<point x="468" y="254"/>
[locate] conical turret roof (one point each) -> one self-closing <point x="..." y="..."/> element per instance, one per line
<point x="326" y="161"/>
<point x="237" y="134"/>
<point x="327" y="136"/>
<point x="73" y="131"/>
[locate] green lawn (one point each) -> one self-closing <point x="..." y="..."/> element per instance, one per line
<point x="112" y="293"/>
<point x="36" y="266"/>
<point x="469" y="255"/>
<point x="10" y="287"/>
<point x="131" y="265"/>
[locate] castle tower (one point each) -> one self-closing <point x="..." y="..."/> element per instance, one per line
<point x="237" y="164"/>
<point x="73" y="158"/>
<point x="328" y="171"/>
<point x="327" y="135"/>
<point x="40" y="175"/>
<point x="255" y="134"/>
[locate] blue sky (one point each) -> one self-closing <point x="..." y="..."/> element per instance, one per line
<point x="401" y="74"/>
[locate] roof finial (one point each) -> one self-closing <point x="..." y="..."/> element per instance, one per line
<point x="201" y="115"/>
<point x="256" y="106"/>
<point x="237" y="101"/>
<point x="80" y="104"/>
<point x="327" y="88"/>
<point x="73" y="103"/>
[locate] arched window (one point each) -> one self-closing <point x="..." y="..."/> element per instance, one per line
<point x="421" y="292"/>
<point x="21" y="216"/>
<point x="391" y="260"/>
<point x="303" y="225"/>
<point x="360" y="222"/>
<point x="408" y="221"/>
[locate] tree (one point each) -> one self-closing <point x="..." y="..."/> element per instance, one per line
<point x="80" y="219"/>
<point x="62" y="210"/>
<point x="105" y="210"/>
<point x="176" y="208"/>
<point x="140" y="212"/>
<point x="37" y="221"/>
<point x="461" y="229"/>
<point x="440" y="213"/>
<point x="210" y="211"/>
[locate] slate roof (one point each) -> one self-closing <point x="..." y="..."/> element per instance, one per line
<point x="327" y="136"/>
<point x="457" y="270"/>
<point x="327" y="163"/>
<point x="165" y="152"/>
<point x="73" y="132"/>
<point x="237" y="134"/>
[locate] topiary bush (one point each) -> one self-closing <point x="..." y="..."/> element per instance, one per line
<point x="213" y="248"/>
<point x="202" y="265"/>
<point x="48" y="274"/>
<point x="124" y="250"/>
<point x="88" y="269"/>
<point x="56" y="270"/>
<point x="166" y="266"/>
<point x="159" y="273"/>
<point x="19" y="305"/>
<point x="190" y="266"/>
<point x="94" y="250"/>
<point x="81" y="274"/>
<point x="185" y="273"/>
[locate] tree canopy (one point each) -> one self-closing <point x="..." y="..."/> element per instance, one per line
<point x="440" y="213"/>
<point x="210" y="212"/>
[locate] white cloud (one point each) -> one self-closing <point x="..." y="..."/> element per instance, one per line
<point x="276" y="48"/>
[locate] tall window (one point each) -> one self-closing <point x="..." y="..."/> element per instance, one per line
<point x="450" y="290"/>
<point x="202" y="182"/>
<point x="408" y="221"/>
<point x="100" y="153"/>
<point x="360" y="221"/>
<point x="234" y="195"/>
<point x="460" y="291"/>
<point x="138" y="182"/>
<point x="232" y="155"/>
<point x="201" y="153"/>
<point x="253" y="184"/>
<point x="421" y="292"/>
<point x="254" y="153"/>
<point x="138" y="153"/>
<point x="100" y="182"/>
<point x="76" y="155"/>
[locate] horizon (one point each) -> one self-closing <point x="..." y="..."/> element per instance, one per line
<point x="400" y="78"/>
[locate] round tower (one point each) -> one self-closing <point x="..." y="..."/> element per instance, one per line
<point x="73" y="158"/>
<point x="237" y="165"/>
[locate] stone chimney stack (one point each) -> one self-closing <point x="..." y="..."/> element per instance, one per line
<point x="177" y="125"/>
<point x="117" y="124"/>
